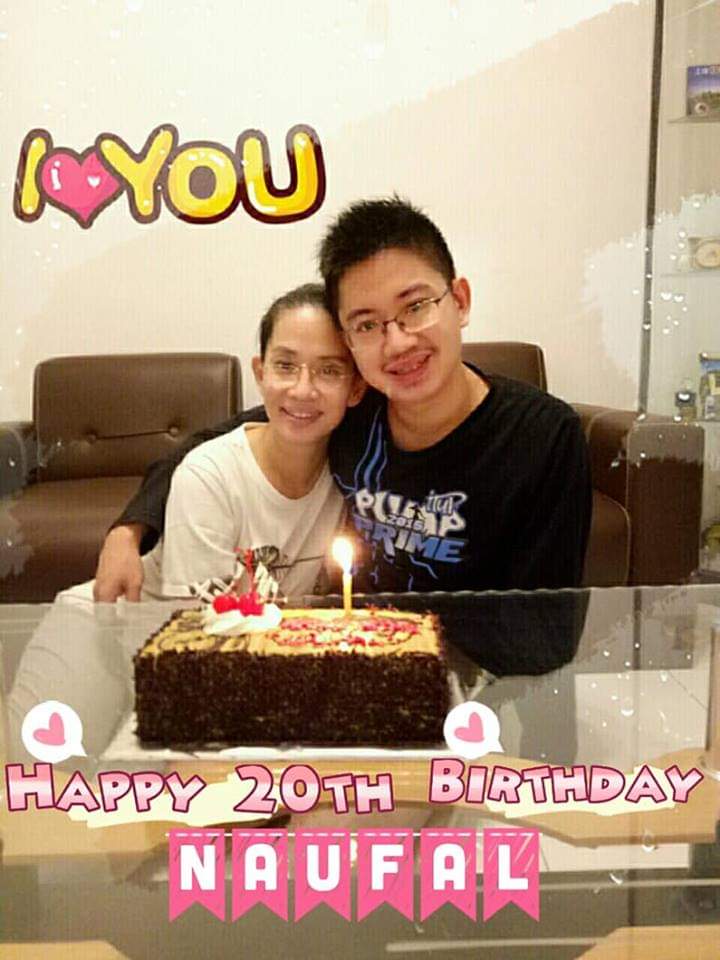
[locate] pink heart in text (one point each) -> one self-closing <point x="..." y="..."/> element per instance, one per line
<point x="79" y="184"/>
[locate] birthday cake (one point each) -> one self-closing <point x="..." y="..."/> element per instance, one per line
<point x="243" y="671"/>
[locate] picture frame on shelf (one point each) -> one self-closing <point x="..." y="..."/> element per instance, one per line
<point x="709" y="391"/>
<point x="703" y="90"/>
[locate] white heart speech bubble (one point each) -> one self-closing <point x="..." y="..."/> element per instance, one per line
<point x="472" y="729"/>
<point x="52" y="731"/>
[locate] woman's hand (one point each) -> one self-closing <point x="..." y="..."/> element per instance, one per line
<point x="120" y="570"/>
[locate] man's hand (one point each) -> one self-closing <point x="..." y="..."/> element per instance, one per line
<point x="120" y="570"/>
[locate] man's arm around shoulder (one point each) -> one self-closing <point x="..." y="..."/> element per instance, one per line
<point x="120" y="570"/>
<point x="140" y="525"/>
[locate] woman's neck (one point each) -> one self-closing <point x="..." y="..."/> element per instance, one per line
<point x="418" y="426"/>
<point x="292" y="468"/>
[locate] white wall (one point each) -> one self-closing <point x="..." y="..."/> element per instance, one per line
<point x="521" y="126"/>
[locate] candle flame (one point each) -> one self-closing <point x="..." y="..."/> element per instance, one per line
<point x="342" y="552"/>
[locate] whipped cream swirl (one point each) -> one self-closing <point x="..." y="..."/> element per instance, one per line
<point x="232" y="623"/>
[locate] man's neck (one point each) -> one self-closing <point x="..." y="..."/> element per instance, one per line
<point x="418" y="426"/>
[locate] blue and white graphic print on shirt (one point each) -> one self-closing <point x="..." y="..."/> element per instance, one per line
<point x="402" y="531"/>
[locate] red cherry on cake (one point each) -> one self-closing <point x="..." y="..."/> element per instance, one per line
<point x="224" y="603"/>
<point x="250" y="605"/>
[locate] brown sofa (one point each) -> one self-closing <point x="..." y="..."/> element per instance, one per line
<point x="98" y="422"/>
<point x="647" y="481"/>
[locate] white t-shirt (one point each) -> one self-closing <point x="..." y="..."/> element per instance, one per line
<point x="221" y="500"/>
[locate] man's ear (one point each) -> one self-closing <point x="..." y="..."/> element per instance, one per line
<point x="357" y="391"/>
<point x="461" y="296"/>
<point x="257" y="369"/>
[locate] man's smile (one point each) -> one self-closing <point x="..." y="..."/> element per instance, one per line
<point x="409" y="366"/>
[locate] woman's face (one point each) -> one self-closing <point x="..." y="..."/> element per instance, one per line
<point x="307" y="377"/>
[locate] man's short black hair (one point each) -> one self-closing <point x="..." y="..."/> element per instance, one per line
<point x="369" y="226"/>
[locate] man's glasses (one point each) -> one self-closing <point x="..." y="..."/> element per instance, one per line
<point x="368" y="332"/>
<point x="327" y="374"/>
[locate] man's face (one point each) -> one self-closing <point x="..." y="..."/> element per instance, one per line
<point x="409" y="368"/>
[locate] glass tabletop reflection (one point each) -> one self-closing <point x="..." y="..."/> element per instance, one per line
<point x="618" y="677"/>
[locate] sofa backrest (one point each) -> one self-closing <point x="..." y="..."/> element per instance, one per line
<point x="113" y="415"/>
<point x="520" y="361"/>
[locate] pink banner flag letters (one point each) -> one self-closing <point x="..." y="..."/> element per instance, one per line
<point x="385" y="871"/>
<point x="197" y="871"/>
<point x="448" y="871"/>
<point x="259" y="871"/>
<point x="511" y="871"/>
<point x="322" y="871"/>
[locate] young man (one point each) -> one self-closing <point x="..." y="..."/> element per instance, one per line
<point x="454" y="480"/>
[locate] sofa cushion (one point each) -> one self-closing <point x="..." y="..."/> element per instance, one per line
<point x="51" y="534"/>
<point x="104" y="416"/>
<point x="519" y="361"/>
<point x="607" y="561"/>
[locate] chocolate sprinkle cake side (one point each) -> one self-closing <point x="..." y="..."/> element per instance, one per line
<point x="377" y="678"/>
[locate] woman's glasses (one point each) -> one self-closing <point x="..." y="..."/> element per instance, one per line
<point x="327" y="374"/>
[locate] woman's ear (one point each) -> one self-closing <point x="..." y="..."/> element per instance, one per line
<point x="257" y="369"/>
<point x="357" y="391"/>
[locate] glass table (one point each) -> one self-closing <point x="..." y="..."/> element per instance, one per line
<point x="619" y="677"/>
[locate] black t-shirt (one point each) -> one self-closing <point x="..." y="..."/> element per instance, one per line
<point x="502" y="502"/>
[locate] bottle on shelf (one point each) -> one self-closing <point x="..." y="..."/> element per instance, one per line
<point x="686" y="402"/>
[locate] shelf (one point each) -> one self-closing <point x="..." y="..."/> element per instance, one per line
<point x="708" y="272"/>
<point x="714" y="118"/>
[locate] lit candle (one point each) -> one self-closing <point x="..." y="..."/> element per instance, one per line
<point x="342" y="552"/>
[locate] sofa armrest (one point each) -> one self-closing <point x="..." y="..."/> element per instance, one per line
<point x="18" y="456"/>
<point x="653" y="467"/>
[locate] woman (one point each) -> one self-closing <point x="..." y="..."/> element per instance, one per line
<point x="266" y="484"/>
